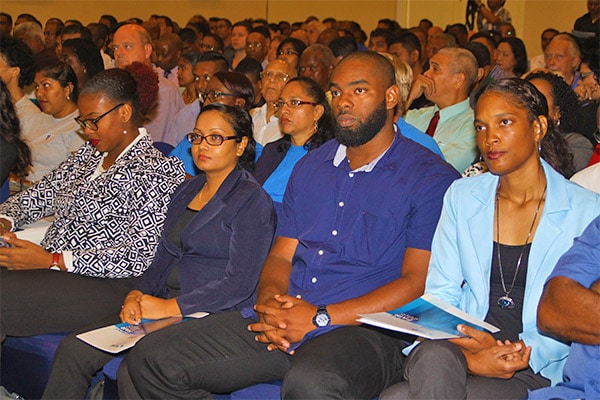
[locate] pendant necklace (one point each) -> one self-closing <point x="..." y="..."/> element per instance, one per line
<point x="506" y="301"/>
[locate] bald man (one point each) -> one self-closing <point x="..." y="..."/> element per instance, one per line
<point x="168" y="50"/>
<point x="132" y="43"/>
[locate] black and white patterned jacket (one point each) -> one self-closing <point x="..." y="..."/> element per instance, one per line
<point x="112" y="223"/>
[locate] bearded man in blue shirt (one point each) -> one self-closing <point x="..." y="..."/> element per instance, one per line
<point x="354" y="237"/>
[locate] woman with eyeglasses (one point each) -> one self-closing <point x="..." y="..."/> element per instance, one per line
<point x="290" y="50"/>
<point x="229" y="88"/>
<point x="264" y="118"/>
<point x="306" y="123"/>
<point x="109" y="202"/>
<point x="218" y="232"/>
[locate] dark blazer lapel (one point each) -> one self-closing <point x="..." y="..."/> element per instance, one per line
<point x="216" y="204"/>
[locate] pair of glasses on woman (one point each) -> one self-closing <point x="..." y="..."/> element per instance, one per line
<point x="92" y="123"/>
<point x="293" y="103"/>
<point x="212" y="140"/>
<point x="287" y="53"/>
<point x="215" y="95"/>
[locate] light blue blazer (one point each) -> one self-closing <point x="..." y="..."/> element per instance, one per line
<point x="461" y="253"/>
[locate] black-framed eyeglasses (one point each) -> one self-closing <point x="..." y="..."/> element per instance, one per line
<point x="288" y="52"/>
<point x="92" y="123"/>
<point x="293" y="103"/>
<point x="280" y="76"/>
<point x="212" y="140"/>
<point x="214" y="95"/>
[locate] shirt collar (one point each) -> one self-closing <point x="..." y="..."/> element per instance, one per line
<point x="340" y="155"/>
<point x="454" y="109"/>
<point x="142" y="133"/>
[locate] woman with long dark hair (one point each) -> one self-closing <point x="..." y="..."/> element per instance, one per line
<point x="15" y="155"/>
<point x="511" y="57"/>
<point x="84" y="57"/>
<point x="565" y="112"/>
<point x="499" y="236"/>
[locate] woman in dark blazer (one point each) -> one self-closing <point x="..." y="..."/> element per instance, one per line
<point x="218" y="232"/>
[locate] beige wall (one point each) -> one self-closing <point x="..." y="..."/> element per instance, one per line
<point x="530" y="17"/>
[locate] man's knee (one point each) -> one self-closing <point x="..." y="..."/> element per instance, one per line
<point x="434" y="354"/>
<point x="311" y="382"/>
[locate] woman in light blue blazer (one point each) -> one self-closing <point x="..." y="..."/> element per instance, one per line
<point x="498" y="238"/>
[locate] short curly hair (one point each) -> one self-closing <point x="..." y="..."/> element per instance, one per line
<point x="564" y="98"/>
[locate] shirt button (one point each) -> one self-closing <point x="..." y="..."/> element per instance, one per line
<point x="351" y="174"/>
<point x="341" y="204"/>
<point x="314" y="280"/>
<point x="334" y="232"/>
<point x="321" y="252"/>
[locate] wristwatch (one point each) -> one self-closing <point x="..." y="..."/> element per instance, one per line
<point x="56" y="263"/>
<point x="321" y="318"/>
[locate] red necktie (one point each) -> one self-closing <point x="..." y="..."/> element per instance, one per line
<point x="595" y="156"/>
<point x="433" y="124"/>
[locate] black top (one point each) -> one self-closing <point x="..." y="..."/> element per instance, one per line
<point x="508" y="320"/>
<point x="174" y="236"/>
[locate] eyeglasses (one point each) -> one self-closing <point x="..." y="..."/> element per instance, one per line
<point x="214" y="95"/>
<point x="92" y="124"/>
<point x="287" y="53"/>
<point x="207" y="46"/>
<point x="212" y="140"/>
<point x="280" y="76"/>
<point x="583" y="75"/>
<point x="252" y="45"/>
<point x="293" y="103"/>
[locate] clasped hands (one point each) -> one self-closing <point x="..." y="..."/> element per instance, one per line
<point x="489" y="357"/>
<point x="138" y="305"/>
<point x="282" y="321"/>
<point x="23" y="254"/>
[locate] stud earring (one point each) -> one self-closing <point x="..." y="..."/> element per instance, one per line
<point x="124" y="131"/>
<point x="68" y="97"/>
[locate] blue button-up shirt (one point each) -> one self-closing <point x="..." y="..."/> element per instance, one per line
<point x="353" y="227"/>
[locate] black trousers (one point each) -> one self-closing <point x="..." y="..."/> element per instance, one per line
<point x="42" y="301"/>
<point x="218" y="354"/>
<point x="76" y="362"/>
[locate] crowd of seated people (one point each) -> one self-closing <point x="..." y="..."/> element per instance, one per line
<point x="285" y="178"/>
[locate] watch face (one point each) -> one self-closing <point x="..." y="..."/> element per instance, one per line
<point x="322" y="319"/>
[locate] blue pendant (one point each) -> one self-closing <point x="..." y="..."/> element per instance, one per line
<point x="506" y="302"/>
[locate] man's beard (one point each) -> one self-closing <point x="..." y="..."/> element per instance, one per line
<point x="365" y="131"/>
